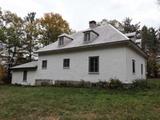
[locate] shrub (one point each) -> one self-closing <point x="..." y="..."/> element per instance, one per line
<point x="115" y="84"/>
<point x="45" y="83"/>
<point x="60" y="83"/>
<point x="140" y="84"/>
<point x="100" y="84"/>
<point x="85" y="84"/>
<point x="16" y="84"/>
<point x="112" y="84"/>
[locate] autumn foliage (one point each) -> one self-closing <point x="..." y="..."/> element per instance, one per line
<point x="52" y="25"/>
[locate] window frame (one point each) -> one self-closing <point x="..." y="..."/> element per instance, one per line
<point x="95" y="68"/>
<point x="44" y="64"/>
<point x="61" y="40"/>
<point x="87" y="36"/>
<point x="25" y="76"/>
<point x="66" y="63"/>
<point x="133" y="66"/>
<point x="142" y="71"/>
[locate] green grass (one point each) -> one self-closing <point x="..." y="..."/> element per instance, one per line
<point x="53" y="103"/>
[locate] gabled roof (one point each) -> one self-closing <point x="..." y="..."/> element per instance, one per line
<point x="65" y="35"/>
<point x="91" y="30"/>
<point x="30" y="65"/>
<point x="107" y="34"/>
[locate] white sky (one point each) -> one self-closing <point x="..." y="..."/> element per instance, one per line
<point x="79" y="12"/>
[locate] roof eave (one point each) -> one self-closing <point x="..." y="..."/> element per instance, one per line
<point x="86" y="46"/>
<point x="137" y="48"/>
<point x="24" y="68"/>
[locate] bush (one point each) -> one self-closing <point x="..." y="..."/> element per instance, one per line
<point x="82" y="83"/>
<point x="140" y="84"/>
<point x="100" y="84"/>
<point x="115" y="84"/>
<point x="45" y="83"/>
<point x="112" y="84"/>
<point x="85" y="84"/>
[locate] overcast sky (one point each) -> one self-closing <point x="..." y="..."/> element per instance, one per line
<point x="79" y="12"/>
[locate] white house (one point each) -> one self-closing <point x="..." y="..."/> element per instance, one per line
<point x="96" y="54"/>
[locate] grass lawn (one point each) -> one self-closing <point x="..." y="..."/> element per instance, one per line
<point x="53" y="103"/>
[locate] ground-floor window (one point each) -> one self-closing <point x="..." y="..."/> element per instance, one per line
<point x="24" y="76"/>
<point x="44" y="64"/>
<point x="66" y="63"/>
<point x="133" y="66"/>
<point x="141" y="69"/>
<point x="94" y="64"/>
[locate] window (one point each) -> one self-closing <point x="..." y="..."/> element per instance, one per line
<point x="61" y="41"/>
<point x="87" y="36"/>
<point x="24" y="76"/>
<point x="141" y="69"/>
<point x="66" y="63"/>
<point x="133" y="66"/>
<point x="44" y="64"/>
<point x="94" y="64"/>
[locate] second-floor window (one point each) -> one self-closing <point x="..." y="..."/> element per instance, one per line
<point x="61" y="40"/>
<point x="87" y="36"/>
<point x="44" y="64"/>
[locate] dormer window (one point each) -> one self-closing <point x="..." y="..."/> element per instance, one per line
<point x="87" y="36"/>
<point x="64" y="39"/>
<point x="90" y="35"/>
<point x="61" y="40"/>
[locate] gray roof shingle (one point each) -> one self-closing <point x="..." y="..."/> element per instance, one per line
<point x="32" y="64"/>
<point x="107" y="33"/>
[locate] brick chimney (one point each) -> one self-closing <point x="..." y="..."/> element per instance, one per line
<point x="92" y="24"/>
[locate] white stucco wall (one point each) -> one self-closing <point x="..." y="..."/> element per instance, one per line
<point x="112" y="64"/>
<point x="17" y="77"/>
<point x="130" y="54"/>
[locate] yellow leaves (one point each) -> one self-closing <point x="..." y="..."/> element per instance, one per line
<point x="52" y="25"/>
<point x="54" y="21"/>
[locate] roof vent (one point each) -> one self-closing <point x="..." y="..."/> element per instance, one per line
<point x="92" y="24"/>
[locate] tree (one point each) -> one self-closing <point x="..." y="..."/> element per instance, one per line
<point x="158" y="40"/>
<point x="129" y="27"/>
<point x="10" y="35"/>
<point x="12" y="26"/>
<point x="150" y="45"/>
<point x="51" y="26"/>
<point x="2" y="35"/>
<point x="31" y="35"/>
<point x="117" y="25"/>
<point x="125" y="26"/>
<point x="152" y="65"/>
<point x="3" y="75"/>
<point x="144" y="37"/>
